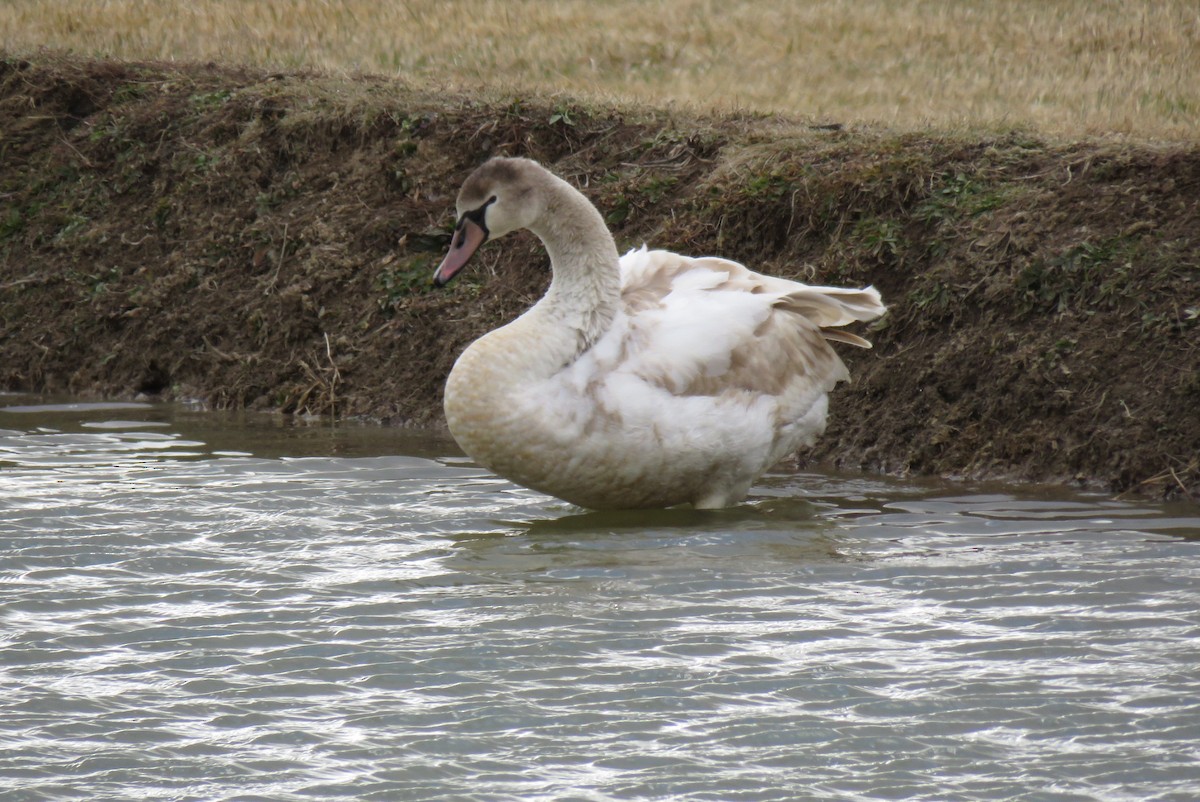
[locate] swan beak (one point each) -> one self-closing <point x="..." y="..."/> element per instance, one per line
<point x="468" y="236"/>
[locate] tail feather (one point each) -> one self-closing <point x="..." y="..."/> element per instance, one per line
<point x="839" y="336"/>
<point x="835" y="306"/>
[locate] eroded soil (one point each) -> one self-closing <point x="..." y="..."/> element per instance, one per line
<point x="266" y="240"/>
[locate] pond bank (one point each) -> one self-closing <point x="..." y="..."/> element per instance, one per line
<point x="265" y="240"/>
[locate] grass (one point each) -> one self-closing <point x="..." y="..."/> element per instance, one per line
<point x="1073" y="67"/>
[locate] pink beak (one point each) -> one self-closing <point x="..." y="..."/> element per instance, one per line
<point x="468" y="236"/>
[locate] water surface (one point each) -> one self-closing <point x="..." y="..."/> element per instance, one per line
<point x="205" y="607"/>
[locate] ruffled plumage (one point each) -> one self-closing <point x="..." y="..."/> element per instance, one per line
<point x="656" y="380"/>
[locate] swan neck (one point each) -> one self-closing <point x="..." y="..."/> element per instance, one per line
<point x="580" y="306"/>
<point x="585" y="291"/>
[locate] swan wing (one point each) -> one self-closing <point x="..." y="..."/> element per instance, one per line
<point x="710" y="326"/>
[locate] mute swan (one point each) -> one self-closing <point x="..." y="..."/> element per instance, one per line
<point x="647" y="380"/>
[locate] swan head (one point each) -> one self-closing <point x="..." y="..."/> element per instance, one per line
<point x="502" y="195"/>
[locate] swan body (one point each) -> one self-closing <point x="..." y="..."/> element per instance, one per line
<point x="646" y="380"/>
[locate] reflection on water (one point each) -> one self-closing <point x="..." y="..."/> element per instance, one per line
<point x="201" y="606"/>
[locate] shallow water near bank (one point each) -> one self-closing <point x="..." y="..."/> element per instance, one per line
<point x="203" y="606"/>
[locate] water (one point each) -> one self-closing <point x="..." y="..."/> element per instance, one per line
<point x="197" y="607"/>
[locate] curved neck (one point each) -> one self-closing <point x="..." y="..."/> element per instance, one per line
<point x="583" y="299"/>
<point x="585" y="291"/>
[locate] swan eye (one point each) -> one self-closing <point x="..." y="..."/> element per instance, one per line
<point x="476" y="216"/>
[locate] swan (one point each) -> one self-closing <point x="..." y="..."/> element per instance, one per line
<point x="645" y="380"/>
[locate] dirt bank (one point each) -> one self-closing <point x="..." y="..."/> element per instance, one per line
<point x="265" y="240"/>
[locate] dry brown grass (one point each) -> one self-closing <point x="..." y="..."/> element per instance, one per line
<point x="1070" y="67"/>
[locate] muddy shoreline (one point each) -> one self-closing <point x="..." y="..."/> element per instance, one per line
<point x="265" y="240"/>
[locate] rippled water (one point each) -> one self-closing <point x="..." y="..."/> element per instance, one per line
<point x="196" y="607"/>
